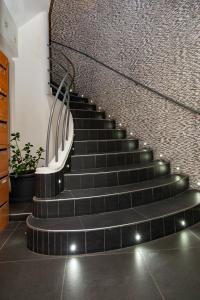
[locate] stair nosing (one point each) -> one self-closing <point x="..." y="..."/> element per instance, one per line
<point x="182" y="177"/>
<point x="145" y="219"/>
<point x="106" y="140"/>
<point x="109" y="120"/>
<point x="117" y="170"/>
<point x="111" y="153"/>
<point x="100" y="129"/>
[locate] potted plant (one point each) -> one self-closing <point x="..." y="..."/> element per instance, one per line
<point x="23" y="166"/>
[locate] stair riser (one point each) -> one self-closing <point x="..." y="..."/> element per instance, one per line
<point x="93" y="124"/>
<point x="72" y="98"/>
<point x="105" y="160"/>
<point x="88" y="114"/>
<point x="105" y="146"/>
<point x="85" y="181"/>
<point x="77" y="105"/>
<point x="59" y="243"/>
<point x="94" y="205"/>
<point x="78" y="99"/>
<point x="81" y="135"/>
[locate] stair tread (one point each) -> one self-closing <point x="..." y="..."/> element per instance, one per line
<point x="108" y="140"/>
<point x="186" y="200"/>
<point x="105" y="191"/>
<point x="113" y="152"/>
<point x="117" y="168"/>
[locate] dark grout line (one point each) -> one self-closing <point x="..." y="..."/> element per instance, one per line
<point x="194" y="234"/>
<point x="151" y="274"/>
<point x="32" y="260"/>
<point x="12" y="232"/>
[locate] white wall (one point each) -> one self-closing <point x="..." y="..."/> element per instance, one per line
<point x="24" y="40"/>
<point x="24" y="10"/>
<point x="8" y="32"/>
<point x="31" y="104"/>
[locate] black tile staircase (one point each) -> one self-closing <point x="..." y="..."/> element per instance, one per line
<point x="115" y="194"/>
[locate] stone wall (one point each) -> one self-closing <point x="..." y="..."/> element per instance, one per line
<point x="157" y="42"/>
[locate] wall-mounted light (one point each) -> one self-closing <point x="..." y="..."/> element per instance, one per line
<point x="71" y="90"/>
<point x="82" y="96"/>
<point x="198" y="183"/>
<point x="91" y="101"/>
<point x="145" y="143"/>
<point x="59" y="181"/>
<point x="177" y="168"/>
<point x="161" y="155"/>
<point x="120" y="124"/>
<point x="131" y="133"/>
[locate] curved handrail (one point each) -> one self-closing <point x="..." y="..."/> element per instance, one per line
<point x="170" y="99"/>
<point x="50" y="120"/>
<point x="67" y="81"/>
<point x="68" y="60"/>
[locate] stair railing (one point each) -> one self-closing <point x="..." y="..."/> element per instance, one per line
<point x="66" y="83"/>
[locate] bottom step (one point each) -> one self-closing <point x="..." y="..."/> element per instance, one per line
<point x="113" y="230"/>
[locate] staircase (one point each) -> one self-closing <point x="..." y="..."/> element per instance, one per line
<point x="115" y="194"/>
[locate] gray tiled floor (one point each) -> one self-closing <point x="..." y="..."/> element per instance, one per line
<point x="168" y="268"/>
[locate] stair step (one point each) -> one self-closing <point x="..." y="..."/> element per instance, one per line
<point x="88" y="161"/>
<point x="112" y="176"/>
<point x="83" y="113"/>
<point x="98" y="200"/>
<point x="99" y="134"/>
<point x="81" y="123"/>
<point x="73" y="96"/>
<point x="78" y="98"/>
<point x="113" y="230"/>
<point x="105" y="146"/>
<point x="81" y="105"/>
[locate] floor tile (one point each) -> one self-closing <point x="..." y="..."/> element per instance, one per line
<point x="15" y="247"/>
<point x="176" y="272"/>
<point x="108" y="277"/>
<point x="38" y="280"/>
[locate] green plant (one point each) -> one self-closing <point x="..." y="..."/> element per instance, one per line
<point x="22" y="161"/>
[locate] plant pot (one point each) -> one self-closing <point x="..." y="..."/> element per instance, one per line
<point x="22" y="187"/>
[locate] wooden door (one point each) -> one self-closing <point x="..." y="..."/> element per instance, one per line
<point x="4" y="190"/>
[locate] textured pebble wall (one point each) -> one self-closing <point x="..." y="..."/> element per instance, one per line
<point x="156" y="42"/>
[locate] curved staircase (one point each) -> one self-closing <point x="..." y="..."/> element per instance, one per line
<point x="115" y="194"/>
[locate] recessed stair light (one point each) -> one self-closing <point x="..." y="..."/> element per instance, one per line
<point x="183" y="223"/>
<point x="73" y="247"/>
<point x="138" y="237"/>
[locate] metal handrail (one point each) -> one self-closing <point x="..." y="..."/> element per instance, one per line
<point x="168" y="98"/>
<point x="68" y="60"/>
<point x="58" y="126"/>
<point x="50" y="120"/>
<point x="67" y="81"/>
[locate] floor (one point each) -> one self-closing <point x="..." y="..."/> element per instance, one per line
<point x="168" y="268"/>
